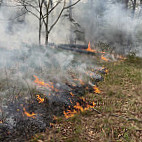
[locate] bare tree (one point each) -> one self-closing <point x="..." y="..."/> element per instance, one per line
<point x="42" y="10"/>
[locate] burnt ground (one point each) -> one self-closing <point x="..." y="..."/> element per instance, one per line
<point x="117" y="115"/>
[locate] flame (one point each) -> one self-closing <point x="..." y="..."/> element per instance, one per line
<point x="90" y="106"/>
<point x="104" y="58"/>
<point x="96" y="90"/>
<point x="40" y="100"/>
<point x="105" y="69"/>
<point x="120" y="57"/>
<point x="42" y="83"/>
<point x="71" y="94"/>
<point x="28" y="114"/>
<point x="51" y="124"/>
<point x="69" y="113"/>
<point x="77" y="108"/>
<point x="89" y="48"/>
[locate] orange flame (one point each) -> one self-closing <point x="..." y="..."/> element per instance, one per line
<point x="42" y="83"/>
<point x="28" y="114"/>
<point x="104" y="58"/>
<point x="69" y="113"/>
<point x="77" y="108"/>
<point x="71" y="94"/>
<point x="105" y="69"/>
<point x="40" y="100"/>
<point x="120" y="57"/>
<point x="96" y="90"/>
<point x="89" y="48"/>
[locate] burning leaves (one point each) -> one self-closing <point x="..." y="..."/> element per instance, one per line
<point x="41" y="83"/>
<point x="39" y="99"/>
<point x="70" y="112"/>
<point x="104" y="58"/>
<point x="96" y="90"/>
<point x="89" y="48"/>
<point x="32" y="115"/>
<point x="58" y="97"/>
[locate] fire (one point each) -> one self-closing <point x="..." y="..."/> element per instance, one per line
<point x="120" y="57"/>
<point x="28" y="114"/>
<point x="71" y="94"/>
<point x="90" y="106"/>
<point x="89" y="48"/>
<point x="40" y="100"/>
<point x="96" y="89"/>
<point x="105" y="69"/>
<point x="77" y="108"/>
<point x="69" y="113"/>
<point x="42" y="83"/>
<point x="104" y="58"/>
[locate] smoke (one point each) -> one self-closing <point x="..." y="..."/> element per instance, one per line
<point x="104" y="21"/>
<point x="21" y="57"/>
<point x="109" y="22"/>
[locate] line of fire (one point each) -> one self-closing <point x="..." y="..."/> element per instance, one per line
<point x="53" y="53"/>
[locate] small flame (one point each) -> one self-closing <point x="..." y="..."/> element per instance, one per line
<point x="77" y="108"/>
<point x="42" y="83"/>
<point x="40" y="100"/>
<point x="69" y="113"/>
<point x="120" y="57"/>
<point x="71" y="94"/>
<point x="89" y="48"/>
<point x="104" y="58"/>
<point x="28" y="114"/>
<point x="105" y="69"/>
<point x="96" y="89"/>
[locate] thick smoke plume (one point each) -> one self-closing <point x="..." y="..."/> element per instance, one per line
<point x="93" y="20"/>
<point x="110" y="22"/>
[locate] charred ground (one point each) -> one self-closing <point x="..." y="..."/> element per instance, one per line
<point x="117" y="115"/>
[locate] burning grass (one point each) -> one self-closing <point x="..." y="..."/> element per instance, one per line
<point x="120" y="107"/>
<point x="44" y="95"/>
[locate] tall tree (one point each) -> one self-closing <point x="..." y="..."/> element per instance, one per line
<point x="42" y="9"/>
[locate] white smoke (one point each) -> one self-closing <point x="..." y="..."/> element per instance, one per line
<point x="108" y="21"/>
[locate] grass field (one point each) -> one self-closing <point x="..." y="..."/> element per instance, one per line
<point x="117" y="116"/>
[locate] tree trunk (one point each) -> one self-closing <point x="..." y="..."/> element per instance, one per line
<point x="126" y="3"/>
<point x="46" y="25"/>
<point x="47" y="21"/>
<point x="40" y="26"/>
<point x="70" y="18"/>
<point x="134" y="7"/>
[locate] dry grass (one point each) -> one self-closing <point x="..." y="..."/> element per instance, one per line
<point x="120" y="107"/>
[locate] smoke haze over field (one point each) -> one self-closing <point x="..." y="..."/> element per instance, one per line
<point x="100" y="20"/>
<point x="110" y="22"/>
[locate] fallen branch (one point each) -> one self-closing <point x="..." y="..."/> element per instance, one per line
<point x="127" y="118"/>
